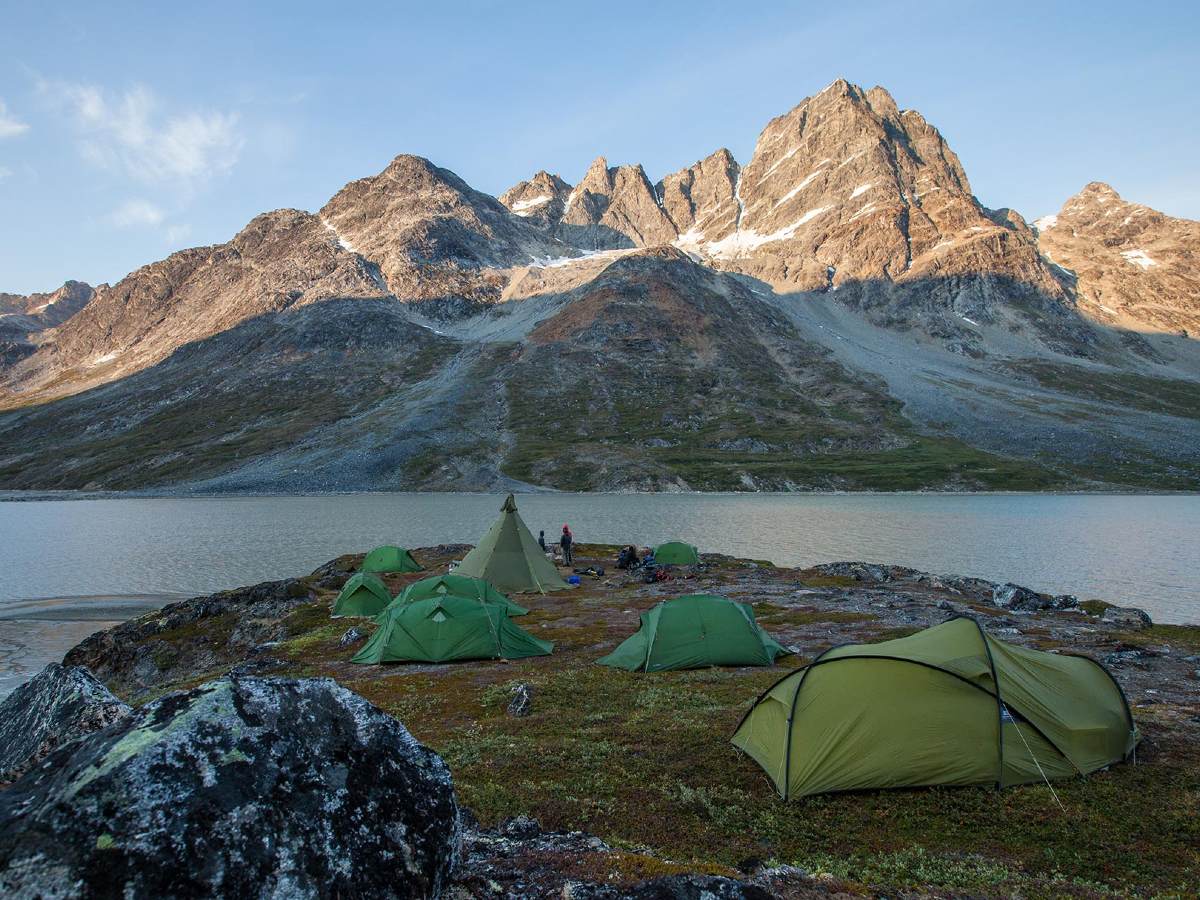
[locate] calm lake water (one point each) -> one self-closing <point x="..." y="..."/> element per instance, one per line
<point x="72" y="566"/>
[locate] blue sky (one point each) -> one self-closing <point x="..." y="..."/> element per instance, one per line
<point x="131" y="130"/>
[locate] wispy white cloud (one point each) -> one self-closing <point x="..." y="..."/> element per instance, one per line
<point x="5" y="172"/>
<point x="10" y="125"/>
<point x="175" y="235"/>
<point x="136" y="213"/>
<point x="131" y="132"/>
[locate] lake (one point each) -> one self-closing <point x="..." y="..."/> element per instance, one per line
<point x="73" y="566"/>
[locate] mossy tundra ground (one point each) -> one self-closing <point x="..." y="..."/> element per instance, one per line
<point x="644" y="760"/>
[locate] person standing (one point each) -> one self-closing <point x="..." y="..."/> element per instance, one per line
<point x="542" y="540"/>
<point x="566" y="542"/>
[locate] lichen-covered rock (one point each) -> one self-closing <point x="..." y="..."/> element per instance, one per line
<point x="353" y="635"/>
<point x="56" y="707"/>
<point x="1127" y="617"/>
<point x="192" y="639"/>
<point x="239" y="788"/>
<point x="1013" y="596"/>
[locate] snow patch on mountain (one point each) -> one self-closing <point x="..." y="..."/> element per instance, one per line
<point x="1138" y="257"/>
<point x="521" y="206"/>
<point x="341" y="241"/>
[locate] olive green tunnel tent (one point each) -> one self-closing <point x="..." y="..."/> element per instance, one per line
<point x="362" y="595"/>
<point x="950" y="705"/>
<point x="390" y="559"/>
<point x="448" y="628"/>
<point x="676" y="553"/>
<point x="692" y="632"/>
<point x="461" y="586"/>
<point x="509" y="557"/>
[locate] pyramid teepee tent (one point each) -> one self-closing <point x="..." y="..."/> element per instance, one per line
<point x="694" y="631"/>
<point x="390" y="559"/>
<point x="950" y="705"/>
<point x="509" y="557"/>
<point x="447" y="628"/>
<point x="362" y="595"/>
<point x="676" y="553"/>
<point x="461" y="586"/>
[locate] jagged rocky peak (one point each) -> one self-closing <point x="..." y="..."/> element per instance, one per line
<point x="51" y="308"/>
<point x="432" y="235"/>
<point x="848" y="190"/>
<point x="1132" y="266"/>
<point x="611" y="208"/>
<point x="703" y="196"/>
<point x="540" y="199"/>
<point x="844" y="166"/>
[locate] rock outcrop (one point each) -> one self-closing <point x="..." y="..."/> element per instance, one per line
<point x="239" y="788"/>
<point x="57" y="706"/>
<point x="224" y="628"/>
<point x="1131" y="266"/>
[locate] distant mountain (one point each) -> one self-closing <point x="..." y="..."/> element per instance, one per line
<point x="837" y="312"/>
<point x="24" y="317"/>
<point x="1130" y="266"/>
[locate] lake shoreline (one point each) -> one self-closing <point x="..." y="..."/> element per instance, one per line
<point x="32" y="496"/>
<point x="37" y="631"/>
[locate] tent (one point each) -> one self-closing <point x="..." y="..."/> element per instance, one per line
<point x="676" y="553"/>
<point x="695" y="631"/>
<point x="390" y="559"/>
<point x="509" y="557"/>
<point x="950" y="705"/>
<point x="461" y="586"/>
<point x="362" y="595"/>
<point x="446" y="628"/>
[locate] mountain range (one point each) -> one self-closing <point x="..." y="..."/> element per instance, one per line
<point x="837" y="312"/>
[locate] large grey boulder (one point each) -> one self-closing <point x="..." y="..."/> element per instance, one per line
<point x="57" y="706"/>
<point x="243" y="787"/>
<point x="1127" y="617"/>
<point x="1013" y="596"/>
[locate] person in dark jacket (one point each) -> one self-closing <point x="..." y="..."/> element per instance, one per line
<point x="542" y="540"/>
<point x="566" y="542"/>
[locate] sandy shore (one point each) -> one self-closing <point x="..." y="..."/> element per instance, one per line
<point x="38" y="631"/>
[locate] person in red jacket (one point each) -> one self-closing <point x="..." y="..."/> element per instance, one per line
<point x="566" y="542"/>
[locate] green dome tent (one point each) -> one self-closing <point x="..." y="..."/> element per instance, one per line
<point x="362" y="595"/>
<point x="694" y="631"/>
<point x="676" y="553"/>
<point x="461" y="586"/>
<point x="509" y="557"/>
<point x="390" y="559"/>
<point x="443" y="629"/>
<point x="946" y="706"/>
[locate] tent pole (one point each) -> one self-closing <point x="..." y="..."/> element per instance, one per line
<point x="999" y="705"/>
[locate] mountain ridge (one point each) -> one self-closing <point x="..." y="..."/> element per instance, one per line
<point x="848" y="253"/>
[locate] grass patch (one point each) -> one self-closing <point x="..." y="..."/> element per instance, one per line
<point x="1094" y="607"/>
<point x="1169" y="396"/>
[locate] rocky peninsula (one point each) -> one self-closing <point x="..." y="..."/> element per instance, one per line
<point x="551" y="776"/>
